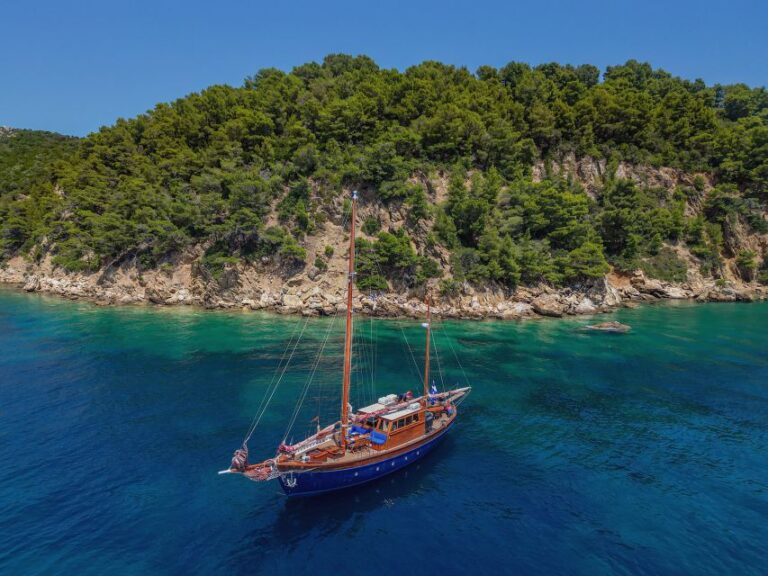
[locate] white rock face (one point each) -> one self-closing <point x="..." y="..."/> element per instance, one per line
<point x="586" y="306"/>
<point x="675" y="293"/>
<point x="612" y="295"/>
<point x="291" y="301"/>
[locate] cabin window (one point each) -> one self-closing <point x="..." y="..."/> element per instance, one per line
<point x="409" y="420"/>
<point x="416" y="417"/>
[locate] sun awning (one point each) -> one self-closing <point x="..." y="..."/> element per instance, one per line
<point x="400" y="413"/>
<point x="372" y="408"/>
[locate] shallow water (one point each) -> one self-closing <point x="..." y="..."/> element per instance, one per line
<point x="576" y="453"/>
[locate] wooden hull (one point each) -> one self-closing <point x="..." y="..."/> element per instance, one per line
<point x="314" y="482"/>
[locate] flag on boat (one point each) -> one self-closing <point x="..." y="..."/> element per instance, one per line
<point x="425" y="324"/>
<point x="433" y="389"/>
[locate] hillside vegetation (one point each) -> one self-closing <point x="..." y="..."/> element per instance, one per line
<point x="251" y="173"/>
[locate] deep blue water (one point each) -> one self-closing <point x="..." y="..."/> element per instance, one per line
<point x="576" y="453"/>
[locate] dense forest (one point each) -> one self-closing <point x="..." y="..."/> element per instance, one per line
<point x="209" y="169"/>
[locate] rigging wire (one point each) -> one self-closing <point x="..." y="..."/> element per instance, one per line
<point x="254" y="422"/>
<point x="277" y="383"/>
<point x="306" y="386"/>
<point x="456" y="356"/>
<point x="413" y="358"/>
<point x="439" y="366"/>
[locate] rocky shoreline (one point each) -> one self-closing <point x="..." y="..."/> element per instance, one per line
<point x="292" y="296"/>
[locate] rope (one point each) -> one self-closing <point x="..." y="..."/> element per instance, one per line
<point x="279" y="380"/>
<point x="305" y="389"/>
<point x="439" y="369"/>
<point x="413" y="358"/>
<point x="450" y="345"/>
<point x="253" y="424"/>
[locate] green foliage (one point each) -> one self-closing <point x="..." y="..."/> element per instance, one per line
<point x="416" y="201"/>
<point x="762" y="272"/>
<point x="724" y="204"/>
<point x="705" y="240"/>
<point x="665" y="265"/>
<point x="449" y="287"/>
<point x="211" y="167"/>
<point x="28" y="201"/>
<point x="215" y="263"/>
<point x="371" y="225"/>
<point x="634" y="221"/>
<point x="746" y="263"/>
<point x="585" y="262"/>
<point x="391" y="256"/>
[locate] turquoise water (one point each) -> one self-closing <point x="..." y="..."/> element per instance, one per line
<point x="576" y="453"/>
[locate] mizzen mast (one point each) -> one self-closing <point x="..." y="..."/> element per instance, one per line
<point x="348" y="334"/>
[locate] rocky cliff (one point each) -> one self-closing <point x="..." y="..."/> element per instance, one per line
<point x="269" y="285"/>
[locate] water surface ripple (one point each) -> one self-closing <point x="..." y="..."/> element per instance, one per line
<point x="577" y="453"/>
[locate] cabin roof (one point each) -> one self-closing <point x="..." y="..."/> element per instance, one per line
<point x="400" y="413"/>
<point x="372" y="408"/>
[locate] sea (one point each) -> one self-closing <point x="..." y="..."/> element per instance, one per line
<point x="576" y="453"/>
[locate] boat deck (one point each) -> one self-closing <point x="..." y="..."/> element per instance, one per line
<point x="338" y="459"/>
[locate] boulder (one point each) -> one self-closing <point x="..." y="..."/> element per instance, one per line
<point x="154" y="295"/>
<point x="522" y="308"/>
<point x="266" y="300"/>
<point x="291" y="301"/>
<point x="611" y="295"/>
<point x="32" y="284"/>
<point x="313" y="272"/>
<point x="586" y="306"/>
<point x="674" y="293"/>
<point x="549" y="305"/>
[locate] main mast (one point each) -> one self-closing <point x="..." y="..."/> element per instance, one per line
<point x="428" y="326"/>
<point x="348" y="334"/>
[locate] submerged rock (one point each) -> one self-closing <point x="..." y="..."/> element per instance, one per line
<point x="611" y="326"/>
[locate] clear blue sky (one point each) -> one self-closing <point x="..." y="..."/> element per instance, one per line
<point x="72" y="66"/>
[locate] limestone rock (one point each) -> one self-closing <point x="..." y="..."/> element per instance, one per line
<point x="32" y="284"/>
<point x="586" y="306"/>
<point x="291" y="301"/>
<point x="154" y="295"/>
<point x="549" y="305"/>
<point x="522" y="308"/>
<point x="674" y="293"/>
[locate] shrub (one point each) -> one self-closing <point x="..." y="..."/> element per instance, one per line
<point x="371" y="225"/>
<point x="215" y="263"/>
<point x="746" y="263"/>
<point x="666" y="265"/>
<point x="449" y="287"/>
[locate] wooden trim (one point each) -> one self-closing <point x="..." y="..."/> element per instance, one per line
<point x="363" y="461"/>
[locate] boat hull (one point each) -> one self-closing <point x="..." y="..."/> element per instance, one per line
<point x="312" y="483"/>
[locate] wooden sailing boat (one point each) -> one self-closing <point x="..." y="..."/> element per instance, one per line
<point x="365" y="444"/>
